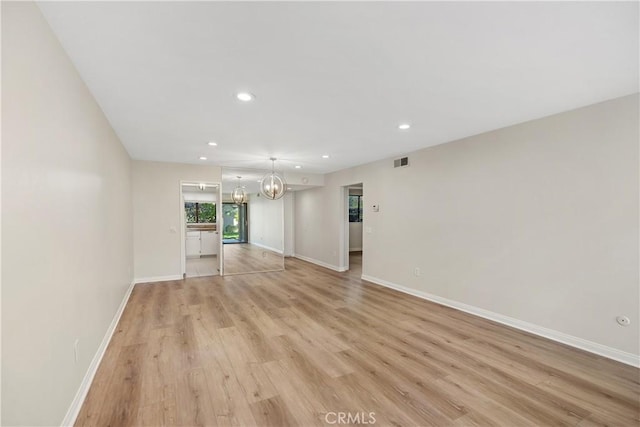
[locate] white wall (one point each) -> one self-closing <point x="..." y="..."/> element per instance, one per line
<point x="537" y="221"/>
<point x="266" y="223"/>
<point x="355" y="236"/>
<point x="313" y="238"/>
<point x="289" y="224"/>
<point x="157" y="218"/>
<point x="66" y="222"/>
<point x="198" y="197"/>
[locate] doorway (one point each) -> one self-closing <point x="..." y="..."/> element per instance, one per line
<point x="199" y="210"/>
<point x="236" y="223"/>
<point x="353" y="228"/>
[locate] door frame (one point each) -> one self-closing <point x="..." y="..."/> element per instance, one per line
<point x="343" y="254"/>
<point x="183" y="224"/>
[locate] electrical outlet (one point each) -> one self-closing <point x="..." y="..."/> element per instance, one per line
<point x="417" y="272"/>
<point x="76" y="350"/>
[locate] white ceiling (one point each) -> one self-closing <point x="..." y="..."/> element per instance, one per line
<point x="249" y="179"/>
<point x="337" y="78"/>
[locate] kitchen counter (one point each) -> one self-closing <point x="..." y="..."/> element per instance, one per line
<point x="201" y="228"/>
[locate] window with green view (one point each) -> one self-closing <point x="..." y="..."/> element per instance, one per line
<point x="200" y="212"/>
<point x="355" y="208"/>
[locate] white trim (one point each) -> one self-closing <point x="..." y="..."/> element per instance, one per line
<point x="157" y="279"/>
<point x="183" y="233"/>
<point x="81" y="394"/>
<point x="320" y="263"/>
<point x="343" y="237"/>
<point x="573" y="341"/>
<point x="278" y="251"/>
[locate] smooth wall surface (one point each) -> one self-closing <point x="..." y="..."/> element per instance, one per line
<point x="157" y="218"/>
<point x="199" y="197"/>
<point x="289" y="225"/>
<point x="66" y="222"/>
<point x="355" y="236"/>
<point x="266" y="223"/>
<point x="537" y="221"/>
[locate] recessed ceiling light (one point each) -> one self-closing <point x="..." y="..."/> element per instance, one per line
<point x="213" y="144"/>
<point x="325" y="156"/>
<point x="245" y="96"/>
<point x="297" y="166"/>
<point x="203" y="158"/>
<point x="288" y="188"/>
<point x="404" y="126"/>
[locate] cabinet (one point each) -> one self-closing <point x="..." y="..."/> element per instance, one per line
<point x="193" y="244"/>
<point x="208" y="243"/>
<point x="201" y="243"/>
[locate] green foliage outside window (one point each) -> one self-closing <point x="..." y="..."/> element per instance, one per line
<point x="196" y="212"/>
<point x="206" y="212"/>
<point x="190" y="211"/>
<point x="355" y="208"/>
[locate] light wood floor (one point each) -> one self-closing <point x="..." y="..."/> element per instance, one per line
<point x="202" y="266"/>
<point x="248" y="258"/>
<point x="289" y="347"/>
<point x="355" y="265"/>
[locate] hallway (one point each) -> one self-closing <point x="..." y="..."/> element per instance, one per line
<point x="355" y="264"/>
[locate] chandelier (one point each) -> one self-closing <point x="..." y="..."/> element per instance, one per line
<point x="239" y="196"/>
<point x="273" y="185"/>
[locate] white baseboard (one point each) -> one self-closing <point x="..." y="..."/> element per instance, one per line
<point x="320" y="263"/>
<point x="278" y="251"/>
<point x="157" y="279"/>
<point x="561" y="337"/>
<point x="355" y="249"/>
<point x="81" y="394"/>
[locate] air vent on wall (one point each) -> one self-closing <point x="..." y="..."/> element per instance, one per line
<point x="398" y="163"/>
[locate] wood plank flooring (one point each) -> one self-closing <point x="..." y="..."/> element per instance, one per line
<point x="248" y="258"/>
<point x="302" y="346"/>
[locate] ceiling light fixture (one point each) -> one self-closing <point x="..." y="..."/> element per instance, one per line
<point x="297" y="166"/>
<point x="273" y="186"/>
<point x="404" y="126"/>
<point x="239" y="196"/>
<point x="245" y="96"/>
<point x="325" y="156"/>
<point x="213" y="144"/>
<point x="203" y="158"/>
